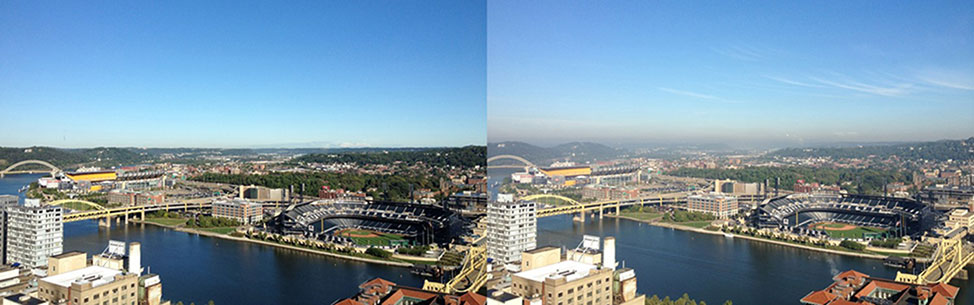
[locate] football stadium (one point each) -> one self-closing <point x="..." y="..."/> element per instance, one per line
<point x="843" y="216"/>
<point x="371" y="223"/>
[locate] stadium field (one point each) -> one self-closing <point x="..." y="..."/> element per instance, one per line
<point x="847" y="231"/>
<point x="372" y="238"/>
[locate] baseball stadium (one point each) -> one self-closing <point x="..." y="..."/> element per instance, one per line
<point x="371" y="223"/>
<point x="843" y="216"/>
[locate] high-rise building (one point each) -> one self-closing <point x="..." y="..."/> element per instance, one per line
<point x="511" y="229"/>
<point x="31" y="233"/>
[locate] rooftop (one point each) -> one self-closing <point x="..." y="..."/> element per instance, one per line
<point x="96" y="275"/>
<point x="570" y="270"/>
<point x="542" y="249"/>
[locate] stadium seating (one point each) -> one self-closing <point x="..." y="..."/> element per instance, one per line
<point x="423" y="223"/>
<point x="872" y="211"/>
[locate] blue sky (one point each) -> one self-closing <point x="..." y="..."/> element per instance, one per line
<point x="242" y="73"/>
<point x="788" y="72"/>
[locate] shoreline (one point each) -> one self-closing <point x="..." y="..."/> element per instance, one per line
<point x="272" y="244"/>
<point x="758" y="239"/>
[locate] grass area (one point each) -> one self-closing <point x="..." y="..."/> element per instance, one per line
<point x="642" y="215"/>
<point x="383" y="239"/>
<point x="166" y="221"/>
<point x="856" y="233"/>
<point x="218" y="230"/>
<point x="77" y="206"/>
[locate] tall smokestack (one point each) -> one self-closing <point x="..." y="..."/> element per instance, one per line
<point x="609" y="252"/>
<point x="777" y="183"/>
<point x="135" y="258"/>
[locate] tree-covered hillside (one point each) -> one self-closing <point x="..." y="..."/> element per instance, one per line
<point x="936" y="151"/>
<point x="465" y="157"/>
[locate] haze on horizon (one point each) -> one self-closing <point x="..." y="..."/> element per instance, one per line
<point x="770" y="73"/>
<point x="231" y="74"/>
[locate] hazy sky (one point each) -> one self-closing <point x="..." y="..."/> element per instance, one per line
<point x="242" y="73"/>
<point x="725" y="71"/>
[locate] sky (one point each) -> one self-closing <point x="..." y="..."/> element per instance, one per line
<point x="786" y="72"/>
<point x="242" y="73"/>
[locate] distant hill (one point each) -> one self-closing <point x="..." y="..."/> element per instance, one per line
<point x="935" y="151"/>
<point x="542" y="156"/>
<point x="58" y="157"/>
<point x="468" y="156"/>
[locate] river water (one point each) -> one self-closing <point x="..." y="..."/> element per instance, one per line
<point x="668" y="263"/>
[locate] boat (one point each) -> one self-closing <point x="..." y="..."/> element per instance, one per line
<point x="728" y="235"/>
<point x="900" y="262"/>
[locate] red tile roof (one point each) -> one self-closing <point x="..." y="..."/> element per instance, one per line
<point x="820" y="297"/>
<point x="950" y="291"/>
<point x="375" y="281"/>
<point x="850" y="273"/>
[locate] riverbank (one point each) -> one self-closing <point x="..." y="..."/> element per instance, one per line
<point x="278" y="245"/>
<point x="776" y="242"/>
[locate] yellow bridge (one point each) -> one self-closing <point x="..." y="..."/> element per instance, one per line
<point x="471" y="277"/>
<point x="950" y="259"/>
<point x="601" y="206"/>
<point x="100" y="212"/>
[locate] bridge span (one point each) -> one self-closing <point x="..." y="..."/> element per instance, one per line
<point x="10" y="169"/>
<point x="951" y="257"/>
<point x="602" y="206"/>
<point x="105" y="215"/>
<point x="527" y="164"/>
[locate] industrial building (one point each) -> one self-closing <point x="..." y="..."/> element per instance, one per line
<point x="31" y="233"/>
<point x="745" y="192"/>
<point x="131" y="198"/>
<point x="261" y="193"/>
<point x="244" y="211"/>
<point x="946" y="197"/>
<point x="467" y="202"/>
<point x="511" y="229"/>
<point x="720" y="205"/>
<point x="585" y="275"/>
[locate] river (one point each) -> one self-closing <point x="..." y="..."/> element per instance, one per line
<point x="668" y="262"/>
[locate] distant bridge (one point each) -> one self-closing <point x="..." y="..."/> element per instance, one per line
<point x="85" y="202"/>
<point x="601" y="206"/>
<point x="509" y="157"/>
<point x="10" y="169"/>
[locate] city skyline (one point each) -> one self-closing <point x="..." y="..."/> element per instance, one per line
<point x="229" y="74"/>
<point x="786" y="73"/>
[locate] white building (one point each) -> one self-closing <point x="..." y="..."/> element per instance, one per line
<point x="511" y="229"/>
<point x="32" y="233"/>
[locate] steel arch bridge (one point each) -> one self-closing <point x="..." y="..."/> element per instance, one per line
<point x="562" y="198"/>
<point x="950" y="259"/>
<point x="85" y="202"/>
<point x="10" y="169"/>
<point x="471" y="277"/>
<point x="511" y="157"/>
